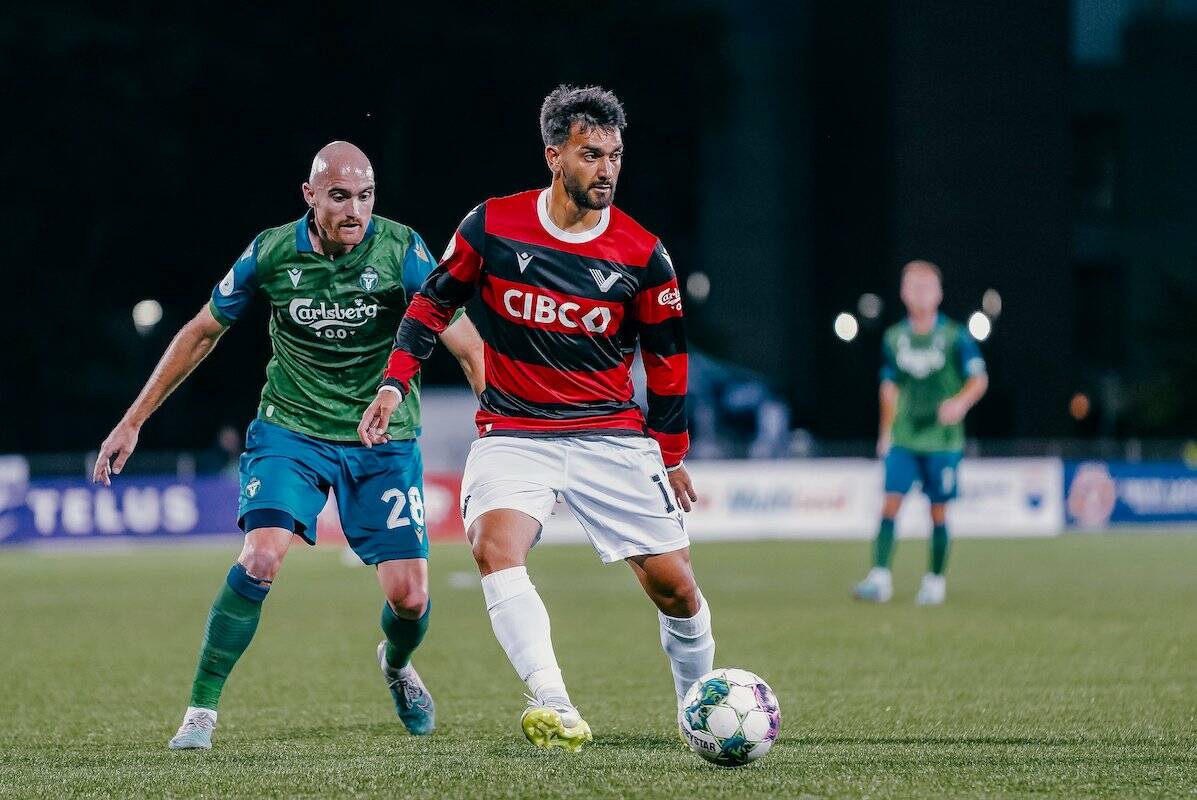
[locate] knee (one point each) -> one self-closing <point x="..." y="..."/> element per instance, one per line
<point x="261" y="562"/>
<point x="490" y="555"/>
<point x="409" y="601"/>
<point x="681" y="600"/>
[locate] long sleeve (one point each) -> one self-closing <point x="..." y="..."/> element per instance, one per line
<point x="446" y="289"/>
<point x="658" y="309"/>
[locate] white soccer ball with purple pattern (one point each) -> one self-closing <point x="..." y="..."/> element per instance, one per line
<point x="730" y="717"/>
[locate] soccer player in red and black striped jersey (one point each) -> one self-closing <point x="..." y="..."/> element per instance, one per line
<point x="569" y="286"/>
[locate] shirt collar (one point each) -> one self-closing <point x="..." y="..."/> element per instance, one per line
<point x="303" y="242"/>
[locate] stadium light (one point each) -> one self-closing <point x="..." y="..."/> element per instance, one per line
<point x="698" y="286"/>
<point x="846" y="327"/>
<point x="146" y="314"/>
<point x="869" y="305"/>
<point x="980" y="326"/>
<point x="991" y="303"/>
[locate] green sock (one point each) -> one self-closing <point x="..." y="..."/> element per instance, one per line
<point x="939" y="548"/>
<point x="883" y="548"/>
<point x="231" y="624"/>
<point x="403" y="635"/>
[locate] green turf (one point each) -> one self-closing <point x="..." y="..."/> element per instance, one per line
<point x="1063" y="667"/>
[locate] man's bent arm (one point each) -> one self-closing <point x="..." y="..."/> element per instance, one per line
<point x="463" y="341"/>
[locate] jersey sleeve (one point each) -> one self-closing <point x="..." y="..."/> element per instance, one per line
<point x="889" y="364"/>
<point x="658" y="311"/>
<point x="435" y="306"/>
<point x="417" y="265"/>
<point x="231" y="296"/>
<point x="972" y="363"/>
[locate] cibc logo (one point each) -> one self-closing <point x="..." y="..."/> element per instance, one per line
<point x="545" y="310"/>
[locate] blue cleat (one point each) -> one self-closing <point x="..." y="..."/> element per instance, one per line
<point x="877" y="587"/>
<point x="196" y="731"/>
<point x="413" y="703"/>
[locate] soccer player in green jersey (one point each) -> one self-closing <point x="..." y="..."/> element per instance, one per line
<point x="932" y="373"/>
<point x="338" y="281"/>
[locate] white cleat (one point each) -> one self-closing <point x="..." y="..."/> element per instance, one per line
<point x="933" y="591"/>
<point x="877" y="587"/>
<point x="196" y="731"/>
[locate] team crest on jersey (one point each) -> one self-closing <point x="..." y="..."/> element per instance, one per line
<point x="251" y="488"/>
<point x="369" y="279"/>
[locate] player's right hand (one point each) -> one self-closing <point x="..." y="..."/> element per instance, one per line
<point x="114" y="452"/>
<point x="372" y="429"/>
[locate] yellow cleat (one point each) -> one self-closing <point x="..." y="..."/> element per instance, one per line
<point x="549" y="726"/>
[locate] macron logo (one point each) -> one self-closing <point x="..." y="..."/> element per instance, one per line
<point x="295" y="275"/>
<point x="525" y="259"/>
<point x="604" y="282"/>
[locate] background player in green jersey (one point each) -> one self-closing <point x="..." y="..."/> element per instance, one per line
<point x="338" y="281"/>
<point x="932" y="373"/>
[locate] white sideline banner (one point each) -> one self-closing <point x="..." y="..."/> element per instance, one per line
<point x="841" y="499"/>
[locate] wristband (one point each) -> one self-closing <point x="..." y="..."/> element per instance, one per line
<point x="675" y="467"/>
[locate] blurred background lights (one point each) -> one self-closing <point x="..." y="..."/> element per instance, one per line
<point x="869" y="305"/>
<point x="146" y="315"/>
<point x="991" y="303"/>
<point x="980" y="326"/>
<point x="846" y="327"/>
<point x="1079" y="406"/>
<point x="698" y="286"/>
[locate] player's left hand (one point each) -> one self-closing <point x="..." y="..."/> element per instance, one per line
<point x="951" y="411"/>
<point x="683" y="488"/>
<point x="372" y="429"/>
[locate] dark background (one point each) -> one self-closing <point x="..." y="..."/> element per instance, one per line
<point x="796" y="153"/>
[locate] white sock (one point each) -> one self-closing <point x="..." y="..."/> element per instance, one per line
<point x="690" y="646"/>
<point x="521" y="624"/>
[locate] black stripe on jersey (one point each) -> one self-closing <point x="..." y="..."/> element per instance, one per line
<point x="667" y="412"/>
<point x="505" y="404"/>
<point x="445" y="290"/>
<point x="562" y="272"/>
<point x="473" y="228"/>
<point x="415" y="337"/>
<point x="666" y="338"/>
<point x="571" y="352"/>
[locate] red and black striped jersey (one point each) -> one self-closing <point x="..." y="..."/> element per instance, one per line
<point x="564" y="312"/>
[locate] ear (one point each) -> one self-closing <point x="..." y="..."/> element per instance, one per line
<point x="552" y="157"/>
<point x="309" y="195"/>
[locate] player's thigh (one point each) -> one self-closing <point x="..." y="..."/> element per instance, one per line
<point x="619" y="491"/>
<point x="380" y="498"/>
<point x="901" y="470"/>
<point x="941" y="476"/>
<point x="510" y="474"/>
<point x="285" y="473"/>
<point x="668" y="580"/>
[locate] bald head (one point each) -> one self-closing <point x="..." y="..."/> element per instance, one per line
<point x="340" y="191"/>
<point x="340" y="160"/>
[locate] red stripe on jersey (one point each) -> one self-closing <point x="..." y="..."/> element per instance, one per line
<point x="673" y="446"/>
<point x="402" y="366"/>
<point x="463" y="263"/>
<point x="659" y="303"/>
<point x="538" y="384"/>
<point x="429" y="313"/>
<point x="516" y="217"/>
<point x="630" y="420"/>
<point x="544" y="309"/>
<point x="666" y="374"/>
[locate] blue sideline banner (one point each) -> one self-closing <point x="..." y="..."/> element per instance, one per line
<point x="1101" y="493"/>
<point x="61" y="510"/>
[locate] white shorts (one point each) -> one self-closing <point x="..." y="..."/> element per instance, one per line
<point x="616" y="486"/>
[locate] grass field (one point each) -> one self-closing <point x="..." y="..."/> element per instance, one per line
<point x="1059" y="668"/>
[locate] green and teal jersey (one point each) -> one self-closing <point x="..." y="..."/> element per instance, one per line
<point x="332" y="323"/>
<point x="928" y="369"/>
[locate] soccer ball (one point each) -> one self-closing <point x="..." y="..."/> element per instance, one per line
<point x="730" y="717"/>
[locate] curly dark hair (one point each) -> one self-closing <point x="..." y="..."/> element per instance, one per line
<point x="593" y="106"/>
